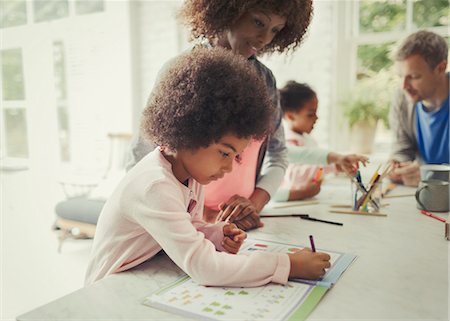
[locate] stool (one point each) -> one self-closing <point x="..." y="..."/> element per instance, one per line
<point x="77" y="218"/>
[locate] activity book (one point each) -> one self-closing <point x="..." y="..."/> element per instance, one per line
<point x="293" y="301"/>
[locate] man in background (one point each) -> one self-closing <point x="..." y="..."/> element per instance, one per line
<point x="419" y="114"/>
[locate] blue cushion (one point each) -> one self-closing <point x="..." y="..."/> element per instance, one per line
<point x="80" y="209"/>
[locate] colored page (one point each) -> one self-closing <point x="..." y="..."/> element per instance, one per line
<point x="269" y="302"/>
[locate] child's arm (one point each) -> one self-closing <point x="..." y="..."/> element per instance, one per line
<point x="308" y="190"/>
<point x="347" y="163"/>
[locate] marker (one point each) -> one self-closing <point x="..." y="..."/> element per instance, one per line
<point x="318" y="175"/>
<point x="433" y="216"/>
<point x="303" y="217"/>
<point x="307" y="217"/>
<point x="311" y="240"/>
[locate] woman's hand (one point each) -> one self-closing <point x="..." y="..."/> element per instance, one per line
<point x="235" y="209"/>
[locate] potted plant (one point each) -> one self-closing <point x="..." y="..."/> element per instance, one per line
<point x="366" y="104"/>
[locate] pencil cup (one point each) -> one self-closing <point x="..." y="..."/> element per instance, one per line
<point x="375" y="204"/>
<point x="366" y="200"/>
<point x="356" y="194"/>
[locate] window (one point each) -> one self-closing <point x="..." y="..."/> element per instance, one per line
<point x="89" y="6"/>
<point x="46" y="10"/>
<point x="59" y="68"/>
<point x="13" y="13"/>
<point x="377" y="27"/>
<point x="14" y="118"/>
<point x="46" y="60"/>
<point x="382" y="23"/>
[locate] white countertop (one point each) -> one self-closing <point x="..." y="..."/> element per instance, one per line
<point x="401" y="272"/>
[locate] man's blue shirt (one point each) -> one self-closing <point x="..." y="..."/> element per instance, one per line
<point x="432" y="133"/>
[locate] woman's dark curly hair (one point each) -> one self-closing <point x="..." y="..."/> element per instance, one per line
<point x="209" y="18"/>
<point x="204" y="95"/>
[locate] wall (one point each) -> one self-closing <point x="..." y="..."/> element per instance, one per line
<point x="312" y="63"/>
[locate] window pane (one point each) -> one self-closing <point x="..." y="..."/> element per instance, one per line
<point x="430" y="13"/>
<point x="59" y="63"/>
<point x="12" y="75"/>
<point x="13" y="13"/>
<point x="45" y="10"/>
<point x="16" y="133"/>
<point x="373" y="58"/>
<point x="63" y="134"/>
<point x="89" y="6"/>
<point x="376" y="16"/>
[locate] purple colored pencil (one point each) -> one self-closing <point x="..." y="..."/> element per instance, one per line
<point x="311" y="240"/>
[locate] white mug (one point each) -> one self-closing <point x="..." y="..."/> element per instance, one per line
<point x="433" y="195"/>
<point x="435" y="171"/>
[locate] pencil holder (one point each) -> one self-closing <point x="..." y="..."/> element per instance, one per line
<point x="356" y="193"/>
<point x="375" y="204"/>
<point x="366" y="199"/>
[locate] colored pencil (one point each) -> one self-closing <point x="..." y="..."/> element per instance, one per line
<point x="432" y="216"/>
<point x="313" y="246"/>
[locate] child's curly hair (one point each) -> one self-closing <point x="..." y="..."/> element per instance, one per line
<point x="294" y="95"/>
<point x="204" y="95"/>
<point x="209" y="18"/>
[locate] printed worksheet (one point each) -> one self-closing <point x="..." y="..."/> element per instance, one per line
<point x="295" y="300"/>
<point x="269" y="302"/>
<point x="339" y="261"/>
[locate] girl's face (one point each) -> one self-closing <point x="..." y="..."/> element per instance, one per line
<point x="252" y="32"/>
<point x="303" y="121"/>
<point x="210" y="163"/>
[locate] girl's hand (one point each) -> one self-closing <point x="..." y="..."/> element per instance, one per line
<point x="233" y="238"/>
<point x="309" y="265"/>
<point x="349" y="163"/>
<point x="310" y="189"/>
<point x="235" y="209"/>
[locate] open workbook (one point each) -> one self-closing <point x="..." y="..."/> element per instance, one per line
<point x="293" y="301"/>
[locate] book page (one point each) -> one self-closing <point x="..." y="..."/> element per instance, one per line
<point x="269" y="302"/>
<point x="339" y="261"/>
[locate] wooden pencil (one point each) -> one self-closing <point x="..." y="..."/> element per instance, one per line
<point x="295" y="204"/>
<point x="349" y="206"/>
<point x="357" y="213"/>
<point x="398" y="195"/>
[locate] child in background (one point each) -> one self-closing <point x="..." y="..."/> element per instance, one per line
<point x="299" y="104"/>
<point x="202" y="114"/>
<point x="248" y="28"/>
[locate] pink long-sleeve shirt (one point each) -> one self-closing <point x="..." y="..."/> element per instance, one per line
<point x="151" y="210"/>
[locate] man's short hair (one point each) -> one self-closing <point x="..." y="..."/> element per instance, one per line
<point x="430" y="46"/>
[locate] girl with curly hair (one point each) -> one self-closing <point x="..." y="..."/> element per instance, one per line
<point x="248" y="28"/>
<point x="201" y="123"/>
